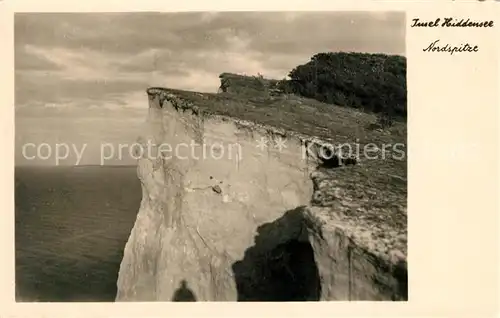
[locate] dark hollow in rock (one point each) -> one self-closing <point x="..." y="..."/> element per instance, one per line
<point x="217" y="189"/>
<point x="184" y="293"/>
<point x="328" y="158"/>
<point x="285" y="272"/>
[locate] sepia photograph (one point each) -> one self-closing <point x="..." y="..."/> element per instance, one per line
<point x="211" y="156"/>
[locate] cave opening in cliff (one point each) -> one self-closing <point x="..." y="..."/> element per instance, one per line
<point x="288" y="272"/>
<point x="328" y="158"/>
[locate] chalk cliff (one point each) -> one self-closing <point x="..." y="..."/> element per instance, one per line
<point x="241" y="203"/>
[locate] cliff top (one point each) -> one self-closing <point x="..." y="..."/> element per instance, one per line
<point x="291" y="113"/>
<point x="371" y="195"/>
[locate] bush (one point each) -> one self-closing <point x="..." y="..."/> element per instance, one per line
<point x="372" y="82"/>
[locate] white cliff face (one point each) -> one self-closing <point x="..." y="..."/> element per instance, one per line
<point x="202" y="204"/>
<point x="218" y="212"/>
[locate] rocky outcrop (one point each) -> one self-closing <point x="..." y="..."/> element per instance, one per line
<point x="239" y="204"/>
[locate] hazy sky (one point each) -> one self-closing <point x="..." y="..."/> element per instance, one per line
<point x="81" y="78"/>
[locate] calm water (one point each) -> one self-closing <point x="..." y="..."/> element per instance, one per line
<point x="72" y="224"/>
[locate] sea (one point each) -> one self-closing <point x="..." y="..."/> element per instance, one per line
<point x="71" y="226"/>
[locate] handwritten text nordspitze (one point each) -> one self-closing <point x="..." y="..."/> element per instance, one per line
<point x="452" y="23"/>
<point x="434" y="47"/>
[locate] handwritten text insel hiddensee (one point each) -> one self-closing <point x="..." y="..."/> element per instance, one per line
<point x="452" y="23"/>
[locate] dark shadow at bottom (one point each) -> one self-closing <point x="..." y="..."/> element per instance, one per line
<point x="279" y="267"/>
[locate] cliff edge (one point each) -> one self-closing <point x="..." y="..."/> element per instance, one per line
<point x="241" y="201"/>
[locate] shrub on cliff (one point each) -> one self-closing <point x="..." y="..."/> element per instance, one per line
<point x="244" y="85"/>
<point x="372" y="82"/>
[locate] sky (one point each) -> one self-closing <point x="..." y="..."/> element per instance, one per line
<point x="80" y="78"/>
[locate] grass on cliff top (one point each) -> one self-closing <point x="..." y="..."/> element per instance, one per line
<point x="335" y="124"/>
<point x="299" y="114"/>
